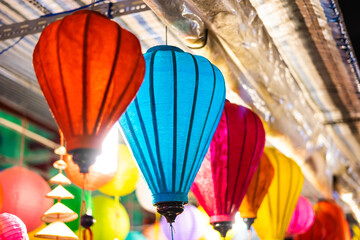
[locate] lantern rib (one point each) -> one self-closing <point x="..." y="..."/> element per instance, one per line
<point x="252" y="157"/>
<point x="270" y="212"/>
<point x="224" y="207"/>
<point x="289" y="201"/>
<point x="62" y="80"/>
<point x="146" y="173"/>
<point x="191" y="120"/>
<point x="241" y="156"/>
<point x="54" y="103"/>
<point x="84" y="77"/>
<point x="278" y="192"/>
<point x="257" y="174"/>
<point x="110" y="79"/>
<point x="154" y="119"/>
<point x="146" y="138"/>
<point x="128" y="83"/>
<point x="174" y="164"/>
<point x="194" y="169"/>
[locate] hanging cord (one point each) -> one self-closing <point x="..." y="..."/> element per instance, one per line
<point x="172" y="231"/>
<point x="22" y="143"/>
<point x="11" y="46"/>
<point x="166" y="35"/>
<point x="73" y="10"/>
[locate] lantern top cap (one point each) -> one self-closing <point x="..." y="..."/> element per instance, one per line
<point x="164" y="48"/>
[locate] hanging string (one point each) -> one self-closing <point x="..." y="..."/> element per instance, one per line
<point x="12" y="45"/>
<point x="166" y="40"/>
<point x="22" y="143"/>
<point x="172" y="231"/>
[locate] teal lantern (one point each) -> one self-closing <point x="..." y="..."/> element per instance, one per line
<point x="170" y="123"/>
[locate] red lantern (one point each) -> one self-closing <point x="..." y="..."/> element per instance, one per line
<point x="257" y="190"/>
<point x="229" y="165"/>
<point x="302" y="218"/>
<point x="317" y="231"/>
<point x="340" y="229"/>
<point x="89" y="69"/>
<point x="24" y="196"/>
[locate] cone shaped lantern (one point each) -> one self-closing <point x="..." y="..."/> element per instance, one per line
<point x="89" y="69"/>
<point x="275" y="212"/>
<point x="170" y="123"/>
<point x="229" y="165"/>
<point x="256" y="191"/>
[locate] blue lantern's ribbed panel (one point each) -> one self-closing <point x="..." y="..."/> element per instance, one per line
<point x="170" y="124"/>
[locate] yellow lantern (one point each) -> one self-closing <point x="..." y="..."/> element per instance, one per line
<point x="126" y="176"/>
<point x="275" y="212"/>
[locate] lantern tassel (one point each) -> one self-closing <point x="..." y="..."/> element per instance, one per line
<point x="249" y="234"/>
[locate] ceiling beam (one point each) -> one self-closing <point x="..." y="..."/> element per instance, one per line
<point x="35" y="26"/>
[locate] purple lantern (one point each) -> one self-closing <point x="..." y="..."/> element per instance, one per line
<point x="187" y="225"/>
<point x="302" y="218"/>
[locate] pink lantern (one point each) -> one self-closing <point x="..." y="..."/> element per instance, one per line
<point x="302" y="218"/>
<point x="12" y="228"/>
<point x="25" y="195"/>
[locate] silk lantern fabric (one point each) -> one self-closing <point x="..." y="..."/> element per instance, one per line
<point x="25" y="195"/>
<point x="188" y="225"/>
<point x="12" y="228"/>
<point x="170" y="123"/>
<point x="126" y="176"/>
<point x="317" y="230"/>
<point x="328" y="208"/>
<point x="257" y="190"/>
<point x="302" y="217"/>
<point x="230" y="163"/>
<point x="89" y="70"/>
<point x="112" y="220"/>
<point x="276" y="210"/>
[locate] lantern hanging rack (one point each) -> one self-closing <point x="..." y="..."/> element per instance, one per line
<point x="35" y="26"/>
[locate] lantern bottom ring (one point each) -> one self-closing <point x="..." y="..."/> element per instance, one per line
<point x="249" y="222"/>
<point x="222" y="227"/>
<point x="170" y="210"/>
<point x="84" y="158"/>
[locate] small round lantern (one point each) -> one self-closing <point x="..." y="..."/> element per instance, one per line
<point x="25" y="195"/>
<point x="302" y="218"/>
<point x="12" y="228"/>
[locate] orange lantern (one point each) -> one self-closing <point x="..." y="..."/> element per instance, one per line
<point x="89" y="70"/>
<point x="340" y="228"/>
<point x="257" y="190"/>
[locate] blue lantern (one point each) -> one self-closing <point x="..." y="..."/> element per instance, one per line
<point x="170" y="123"/>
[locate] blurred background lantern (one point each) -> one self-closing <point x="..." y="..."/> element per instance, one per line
<point x="144" y="195"/>
<point x="275" y="212"/>
<point x="1" y="197"/>
<point x="317" y="230"/>
<point x="170" y="123"/>
<point x="12" y="228"/>
<point x="89" y="70"/>
<point x="135" y="236"/>
<point x="104" y="168"/>
<point x="257" y="190"/>
<point x="188" y="225"/>
<point x="126" y="176"/>
<point x="339" y="230"/>
<point x="25" y="195"/>
<point x="302" y="217"/>
<point x="112" y="220"/>
<point x="229" y="165"/>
